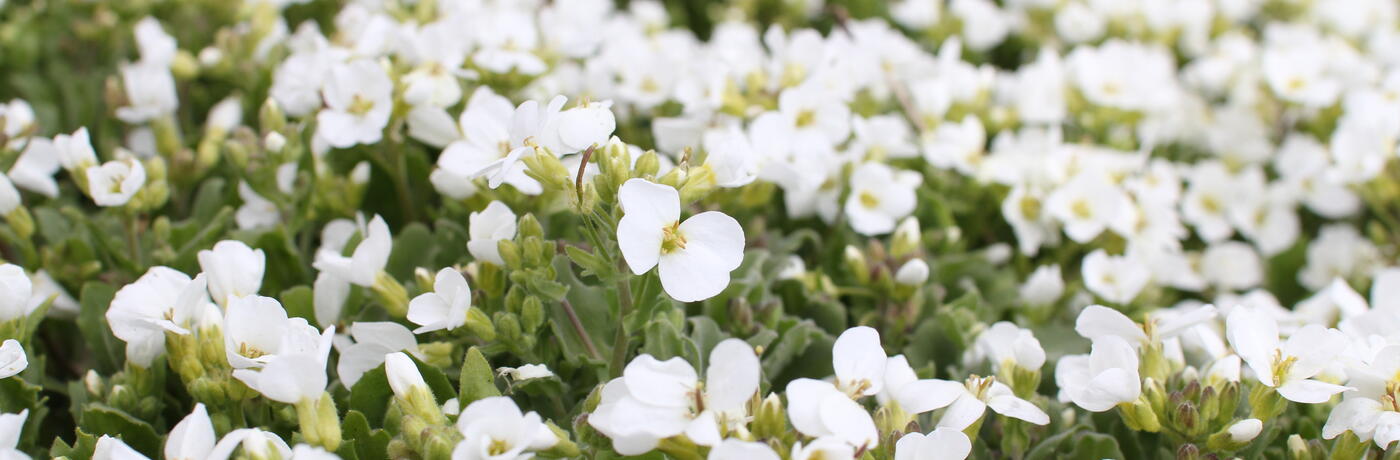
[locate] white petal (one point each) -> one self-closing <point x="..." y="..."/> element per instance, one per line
<point x="858" y="358"/>
<point x="1309" y="391"/>
<point x="661" y="383"/>
<point x="1014" y="407"/>
<point x="193" y="437"/>
<point x="963" y="412"/>
<point x="734" y="449"/>
<point x="925" y="395"/>
<point x="732" y="376"/>
<point x="1097" y="321"/>
<point x="848" y="420"/>
<point x="716" y="233"/>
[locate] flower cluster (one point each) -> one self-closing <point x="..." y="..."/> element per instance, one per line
<point x="699" y="229"/>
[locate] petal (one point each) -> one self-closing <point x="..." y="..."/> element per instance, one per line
<point x="946" y="443"/>
<point x="661" y="383"/>
<point x="732" y="376"/>
<point x="650" y="202"/>
<point x="716" y="233"/>
<point x="804" y="398"/>
<point x="692" y="276"/>
<point x="704" y="430"/>
<point x="848" y="420"/>
<point x="1309" y="391"/>
<point x="1097" y="321"/>
<point x="1253" y="334"/>
<point x="193" y="437"/>
<point x="640" y="242"/>
<point x="925" y="395"/>
<point x="1014" y="407"/>
<point x="859" y="359"/>
<point x="734" y="449"/>
<point x="1316" y="347"/>
<point x="963" y="412"/>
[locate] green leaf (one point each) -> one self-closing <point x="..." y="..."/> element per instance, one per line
<point x="368" y="444"/>
<point x="371" y="396"/>
<point x="478" y="379"/>
<point x="790" y="345"/>
<point x="663" y="341"/>
<point x="705" y="333"/>
<point x="208" y="200"/>
<point x="413" y="246"/>
<point x="299" y="304"/>
<point x="593" y="264"/>
<point x="82" y="448"/>
<point x="109" y="353"/>
<point x="102" y="419"/>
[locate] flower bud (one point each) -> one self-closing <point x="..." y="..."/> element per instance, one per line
<point x="480" y="324"/>
<point x="21" y="222"/>
<point x="770" y="420"/>
<point x="1265" y="403"/>
<point x="271" y="118"/>
<point x="1188" y="452"/>
<point x="907" y="238"/>
<point x="646" y="165"/>
<point x="532" y="314"/>
<point x="1298" y="448"/>
<point x="855" y="263"/>
<point x="912" y="273"/>
<point x="411" y="392"/>
<point x="390" y="294"/>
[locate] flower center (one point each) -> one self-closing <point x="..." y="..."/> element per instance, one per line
<point x="249" y="351"/>
<point x="806" y="118"/>
<point x="978" y="385"/>
<point x="1282" y="365"/>
<point x="497" y="447"/>
<point x="868" y="199"/>
<point x="672" y="239"/>
<point x="360" y="105"/>
<point x="1081" y="209"/>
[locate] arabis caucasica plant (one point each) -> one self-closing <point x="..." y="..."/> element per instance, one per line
<point x="699" y="229"/>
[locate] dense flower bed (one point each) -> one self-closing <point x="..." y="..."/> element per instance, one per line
<point x="692" y="229"/>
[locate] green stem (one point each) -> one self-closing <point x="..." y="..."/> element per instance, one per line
<point x="624" y="297"/>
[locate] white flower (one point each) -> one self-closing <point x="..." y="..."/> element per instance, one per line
<point x="359" y="100"/>
<point x="731" y="156"/>
<point x="257" y="331"/>
<point x="114" y="182"/>
<point x="373" y="340"/>
<point x="584" y="126"/>
<point x="109" y="448"/>
<point x="1086" y="206"/>
<point x="233" y="270"/>
<point x="256" y="444"/>
<point x="819" y="409"/>
<point x="494" y="428"/>
<point x="859" y="362"/>
<point x="12" y="359"/>
<point x="157" y="47"/>
<point x="1117" y="279"/>
<point x="1044" y="286"/>
<point x="256" y="212"/>
<point x="35" y="167"/>
<point x="1004" y="344"/>
<point x="444" y="308"/>
<point x="287" y="378"/>
<point x="654" y="400"/>
<point x="693" y="258"/>
<point x="192" y="438"/>
<point x="912" y="273"/>
<point x="977" y="394"/>
<point x="880" y="196"/>
<point x="1097" y="322"/>
<point x="822" y="448"/>
<point x="1232" y="265"/>
<point x="1104" y="378"/>
<point x="150" y="92"/>
<point x="15" y="290"/>
<point x="1287" y="366"/>
<point x="487" y="228"/>
<point x="956" y="145"/>
<point x="10" y="427"/>
<point x="940" y="444"/>
<point x="913" y="395"/>
<point x="368" y="260"/>
<point x="734" y="449"/>
<point x="161" y="300"/>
